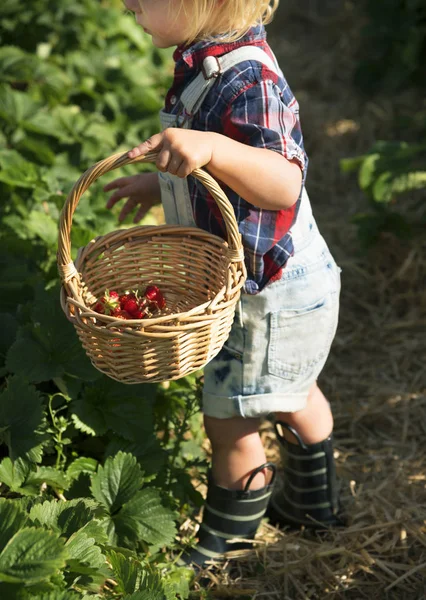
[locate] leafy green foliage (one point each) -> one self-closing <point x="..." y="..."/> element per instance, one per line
<point x="135" y="514"/>
<point x="20" y="417"/>
<point x="117" y="482"/>
<point x="12" y="519"/>
<point x="40" y="353"/>
<point x="389" y="170"/>
<point x="79" y="514"/>
<point x="30" y="556"/>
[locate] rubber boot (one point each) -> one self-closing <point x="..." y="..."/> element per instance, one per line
<point x="307" y="494"/>
<point x="229" y="514"/>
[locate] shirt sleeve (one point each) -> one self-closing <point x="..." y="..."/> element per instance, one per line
<point x="263" y="117"/>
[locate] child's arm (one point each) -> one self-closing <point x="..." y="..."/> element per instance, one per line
<point x="262" y="177"/>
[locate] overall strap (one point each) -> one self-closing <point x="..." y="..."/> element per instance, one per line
<point x="213" y="66"/>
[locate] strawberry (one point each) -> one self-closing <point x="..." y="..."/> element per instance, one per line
<point x="108" y="303"/>
<point x="99" y="307"/>
<point x="131" y="306"/>
<point x="155" y="296"/>
<point x="126" y="296"/>
<point x="122" y="299"/>
<point x="139" y="314"/>
<point x="116" y="311"/>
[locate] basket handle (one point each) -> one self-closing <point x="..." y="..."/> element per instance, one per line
<point x="65" y="265"/>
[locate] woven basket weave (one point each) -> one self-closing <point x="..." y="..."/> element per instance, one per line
<point x="200" y="275"/>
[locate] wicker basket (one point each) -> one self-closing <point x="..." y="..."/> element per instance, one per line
<point x="200" y="275"/>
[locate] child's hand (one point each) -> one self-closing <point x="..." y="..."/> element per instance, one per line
<point x="142" y="189"/>
<point x="180" y="150"/>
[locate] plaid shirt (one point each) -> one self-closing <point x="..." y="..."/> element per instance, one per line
<point x="255" y="106"/>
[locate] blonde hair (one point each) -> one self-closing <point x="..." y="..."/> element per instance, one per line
<point x="229" y="19"/>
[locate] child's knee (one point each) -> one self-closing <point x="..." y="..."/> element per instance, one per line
<point x="228" y="432"/>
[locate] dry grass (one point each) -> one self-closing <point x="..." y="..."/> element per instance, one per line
<point x="375" y="376"/>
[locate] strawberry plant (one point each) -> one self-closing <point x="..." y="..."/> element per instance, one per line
<point x="95" y="476"/>
<point x="123" y="454"/>
<point x="389" y="171"/>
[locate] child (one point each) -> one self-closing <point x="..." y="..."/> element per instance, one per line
<point x="231" y="111"/>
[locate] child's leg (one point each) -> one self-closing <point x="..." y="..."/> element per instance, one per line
<point x="236" y="451"/>
<point x="239" y="489"/>
<point x="314" y="423"/>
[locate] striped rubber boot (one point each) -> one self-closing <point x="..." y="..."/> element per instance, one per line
<point x="229" y="514"/>
<point x="307" y="494"/>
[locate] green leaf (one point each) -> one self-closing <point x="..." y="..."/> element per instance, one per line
<point x="65" y="517"/>
<point x="15" y="171"/>
<point x="12" y="519"/>
<point x="144" y="517"/>
<point x="20" y="416"/>
<point x="39" y="353"/>
<point x="349" y="165"/>
<point x="15" y="106"/>
<point x="117" y="482"/>
<point x="49" y="476"/>
<point x="177" y="583"/>
<point x="152" y="587"/>
<point x="97" y="530"/>
<point x="78" y="514"/>
<point x="388" y="184"/>
<point x="39" y="151"/>
<point x="43" y="226"/>
<point x="368" y="170"/>
<point x="148" y="450"/>
<point x="127" y="572"/>
<point x="14" y="473"/>
<point x="82" y="550"/>
<point x="108" y="404"/>
<point x="82" y="426"/>
<point x="31" y="555"/>
<point x="28" y="358"/>
<point x="46" y="514"/>
<point x="81" y="465"/>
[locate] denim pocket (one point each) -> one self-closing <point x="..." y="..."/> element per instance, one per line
<point x="300" y="338"/>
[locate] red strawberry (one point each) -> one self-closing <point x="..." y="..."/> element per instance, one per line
<point x="139" y="314"/>
<point x="108" y="304"/>
<point x="111" y="303"/>
<point x="116" y="312"/>
<point x="99" y="307"/>
<point x="154" y="295"/>
<point x="122" y="299"/>
<point x="131" y="306"/>
<point x="126" y="296"/>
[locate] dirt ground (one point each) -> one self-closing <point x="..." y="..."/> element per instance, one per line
<point x="375" y="377"/>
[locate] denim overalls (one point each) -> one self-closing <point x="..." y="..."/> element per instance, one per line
<point x="281" y="337"/>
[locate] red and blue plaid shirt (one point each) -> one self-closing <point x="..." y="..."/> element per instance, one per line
<point x="255" y="106"/>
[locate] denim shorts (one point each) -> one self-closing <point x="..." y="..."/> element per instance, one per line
<point x="280" y="338"/>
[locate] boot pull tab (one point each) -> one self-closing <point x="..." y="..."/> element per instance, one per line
<point x="291" y="430"/>
<point x="268" y="465"/>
